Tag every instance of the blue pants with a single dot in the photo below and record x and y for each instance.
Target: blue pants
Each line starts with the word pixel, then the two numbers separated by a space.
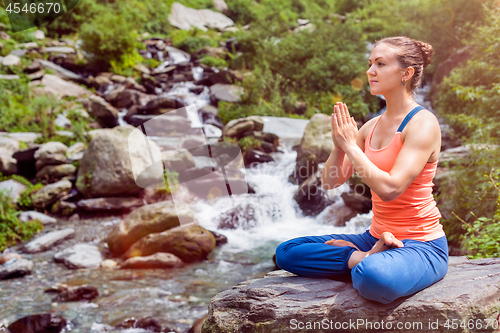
pixel 381 277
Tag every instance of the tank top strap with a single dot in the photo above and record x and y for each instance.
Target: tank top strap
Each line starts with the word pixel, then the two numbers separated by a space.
pixel 408 118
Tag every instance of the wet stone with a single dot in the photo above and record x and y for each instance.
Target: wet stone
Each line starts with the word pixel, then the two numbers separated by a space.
pixel 38 323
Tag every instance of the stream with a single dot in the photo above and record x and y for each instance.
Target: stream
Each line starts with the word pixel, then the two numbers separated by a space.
pixel 178 297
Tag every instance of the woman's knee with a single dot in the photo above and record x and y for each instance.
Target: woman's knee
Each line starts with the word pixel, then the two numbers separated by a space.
pixel 284 257
pixel 371 282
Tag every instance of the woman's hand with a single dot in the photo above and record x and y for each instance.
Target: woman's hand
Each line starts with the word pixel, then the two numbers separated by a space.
pixel 344 127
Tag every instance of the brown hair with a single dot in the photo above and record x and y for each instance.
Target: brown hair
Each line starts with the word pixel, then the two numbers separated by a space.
pixel 411 53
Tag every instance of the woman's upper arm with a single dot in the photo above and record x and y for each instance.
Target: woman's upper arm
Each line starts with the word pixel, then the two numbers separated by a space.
pixel 420 142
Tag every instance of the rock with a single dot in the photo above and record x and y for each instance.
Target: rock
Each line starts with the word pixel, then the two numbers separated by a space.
pixel 12 188
pixel 105 112
pixel 317 137
pixel 109 264
pixel 164 125
pixel 15 268
pixel 11 60
pixel 357 202
pixel 190 243
pixel 54 85
pixel 225 93
pixel 50 193
pixel 178 160
pixel 157 260
pixel 163 103
pixel 56 172
pixel 9 77
pixel 6 257
pixel 77 293
pixel 219 238
pixel 214 52
pixel 143 324
pixel 185 18
pixel 49 148
pixel 146 220
pixel 50 159
pixel 49 240
pixel 78 147
pixel 58 49
pixel 102 81
pixel 274 303
pixel 337 214
pixel 62 72
pixel 129 97
pixel 39 34
pixel 198 324
pixel 254 156
pixel 80 255
pixel 114 160
pixel 63 208
pixel 226 77
pixel 311 196
pixel 237 127
pixel 8 164
pixel 62 121
pixel 221 6
pixel 38 323
pixel 116 204
pixel 305 166
pixel 34 215
pixel 28 137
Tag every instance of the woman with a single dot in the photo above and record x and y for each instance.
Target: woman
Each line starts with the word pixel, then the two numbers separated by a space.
pixel 405 250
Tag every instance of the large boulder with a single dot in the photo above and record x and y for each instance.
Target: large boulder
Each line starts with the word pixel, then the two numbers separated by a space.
pixel 317 137
pixel 283 302
pixel 189 243
pixel 146 220
pixel 113 161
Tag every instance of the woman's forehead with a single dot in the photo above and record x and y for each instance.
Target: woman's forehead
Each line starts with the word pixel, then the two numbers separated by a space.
pixel 383 51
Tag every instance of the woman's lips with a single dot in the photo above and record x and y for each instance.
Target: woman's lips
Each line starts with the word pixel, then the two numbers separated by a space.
pixel 373 81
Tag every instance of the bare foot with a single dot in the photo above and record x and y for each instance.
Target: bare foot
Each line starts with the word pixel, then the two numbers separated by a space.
pixel 385 242
pixel 340 242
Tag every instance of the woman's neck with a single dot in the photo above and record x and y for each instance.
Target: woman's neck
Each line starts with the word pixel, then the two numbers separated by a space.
pixel 398 104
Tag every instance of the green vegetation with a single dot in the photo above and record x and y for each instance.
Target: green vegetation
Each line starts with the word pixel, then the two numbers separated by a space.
pixel 468 100
pixel 296 72
pixel 12 230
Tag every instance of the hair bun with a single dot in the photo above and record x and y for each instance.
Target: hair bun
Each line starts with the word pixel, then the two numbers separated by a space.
pixel 427 52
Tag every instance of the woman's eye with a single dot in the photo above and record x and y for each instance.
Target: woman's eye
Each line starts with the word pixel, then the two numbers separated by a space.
pixel 380 64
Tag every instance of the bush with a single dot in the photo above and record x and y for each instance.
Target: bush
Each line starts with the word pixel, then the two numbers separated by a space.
pixel 12 230
pixel 468 101
pixel 482 238
pixel 112 40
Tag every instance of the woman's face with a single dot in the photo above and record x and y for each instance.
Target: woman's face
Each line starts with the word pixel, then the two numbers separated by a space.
pixel 384 72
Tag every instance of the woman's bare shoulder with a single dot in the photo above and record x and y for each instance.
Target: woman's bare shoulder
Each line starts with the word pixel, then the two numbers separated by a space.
pixel 367 127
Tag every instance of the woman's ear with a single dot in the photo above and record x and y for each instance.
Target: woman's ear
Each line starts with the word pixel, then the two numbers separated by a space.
pixel 409 73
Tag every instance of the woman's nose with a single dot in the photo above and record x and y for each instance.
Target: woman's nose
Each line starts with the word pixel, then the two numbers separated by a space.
pixel 370 71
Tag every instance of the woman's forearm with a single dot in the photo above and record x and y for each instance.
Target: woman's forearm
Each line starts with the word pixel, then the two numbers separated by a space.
pixel 336 171
pixel 378 180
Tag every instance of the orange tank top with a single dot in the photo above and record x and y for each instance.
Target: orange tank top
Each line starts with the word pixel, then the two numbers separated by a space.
pixel 414 214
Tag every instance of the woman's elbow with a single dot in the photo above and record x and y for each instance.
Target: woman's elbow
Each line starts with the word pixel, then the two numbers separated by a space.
pixel 390 195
